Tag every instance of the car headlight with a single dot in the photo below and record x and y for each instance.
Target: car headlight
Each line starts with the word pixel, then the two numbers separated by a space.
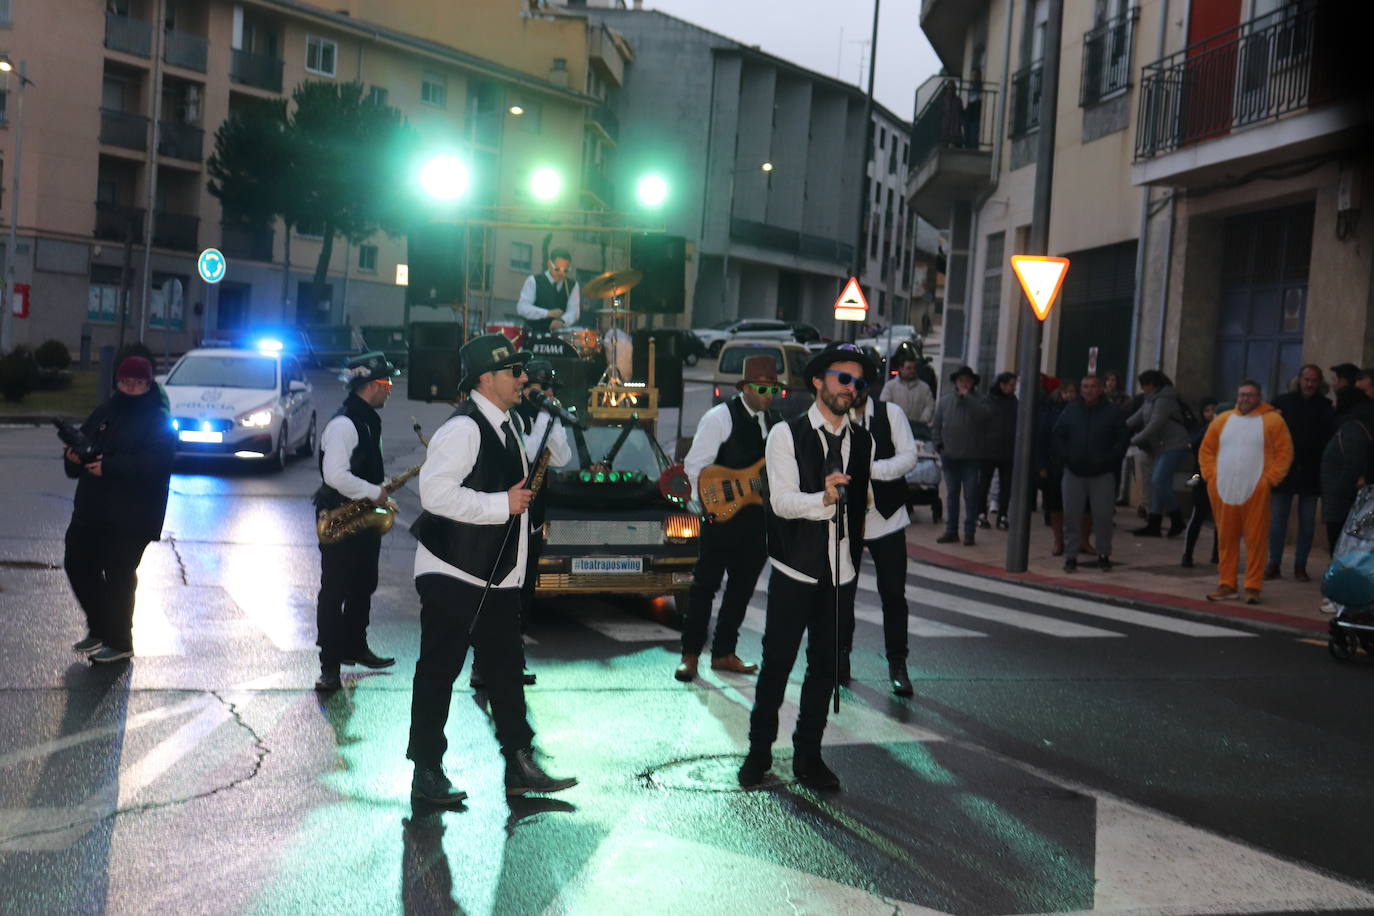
pixel 257 417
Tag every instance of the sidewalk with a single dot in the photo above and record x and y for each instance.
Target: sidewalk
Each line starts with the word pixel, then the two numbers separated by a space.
pixel 1145 572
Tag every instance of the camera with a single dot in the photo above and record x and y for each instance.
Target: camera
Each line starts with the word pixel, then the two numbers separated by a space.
pixel 76 440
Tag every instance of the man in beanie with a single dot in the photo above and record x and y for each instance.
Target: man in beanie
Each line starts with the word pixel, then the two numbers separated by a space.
pixel 470 562
pixel 731 434
pixel 818 472
pixel 351 468
pixel 121 498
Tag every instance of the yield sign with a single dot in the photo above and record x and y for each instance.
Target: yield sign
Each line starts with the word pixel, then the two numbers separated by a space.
pixel 1041 278
pixel 851 306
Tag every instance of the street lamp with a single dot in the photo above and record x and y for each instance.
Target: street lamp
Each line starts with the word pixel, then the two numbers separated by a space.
pixel 7 300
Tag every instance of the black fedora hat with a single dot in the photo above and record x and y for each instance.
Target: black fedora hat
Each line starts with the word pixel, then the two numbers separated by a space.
pixel 487 353
pixel 965 370
pixel 369 367
pixel 840 353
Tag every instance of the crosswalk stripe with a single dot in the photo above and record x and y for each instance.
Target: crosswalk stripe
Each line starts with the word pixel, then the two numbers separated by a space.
pixel 1069 603
pixel 1022 620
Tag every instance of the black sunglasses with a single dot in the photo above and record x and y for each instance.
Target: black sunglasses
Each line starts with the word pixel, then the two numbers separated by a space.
pixel 516 369
pixel 845 379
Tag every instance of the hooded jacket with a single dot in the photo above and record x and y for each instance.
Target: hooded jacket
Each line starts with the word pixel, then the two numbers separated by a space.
pixel 137 446
pixel 1159 422
pixel 1235 466
pixel 1089 441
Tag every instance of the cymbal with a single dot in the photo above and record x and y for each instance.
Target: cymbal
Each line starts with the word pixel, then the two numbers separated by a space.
pixel 612 283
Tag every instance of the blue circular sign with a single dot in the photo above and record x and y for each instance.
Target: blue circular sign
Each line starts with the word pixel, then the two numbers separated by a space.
pixel 211 265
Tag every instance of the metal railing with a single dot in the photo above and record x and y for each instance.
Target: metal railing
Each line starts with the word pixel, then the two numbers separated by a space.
pixel 240 241
pixel 177 231
pixel 1261 69
pixel 606 118
pixel 114 222
pixel 960 115
pixel 132 36
pixel 1026 84
pixel 180 141
pixel 776 238
pixel 119 128
pixel 182 49
pixel 1107 58
pixel 255 70
pixel 595 183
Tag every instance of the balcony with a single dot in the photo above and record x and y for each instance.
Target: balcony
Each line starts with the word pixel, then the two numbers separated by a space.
pixel 116 223
pixel 132 36
pixel 256 70
pixel 605 120
pixel 119 128
pixel 176 231
pixel 599 186
pixel 946 24
pixel 182 49
pixel 180 141
pixel 776 238
pixel 605 55
pixel 1107 59
pixel 1025 99
pixel 1245 99
pixel 951 148
pixel 240 241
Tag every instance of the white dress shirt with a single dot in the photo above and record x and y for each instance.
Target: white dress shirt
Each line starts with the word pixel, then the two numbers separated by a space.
pixel 525 307
pixel 451 456
pixel 560 452
pixel 788 501
pixel 339 439
pixel 713 429
pixel 894 468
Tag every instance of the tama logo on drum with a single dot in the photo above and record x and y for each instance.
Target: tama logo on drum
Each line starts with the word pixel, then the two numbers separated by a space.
pixel 549 349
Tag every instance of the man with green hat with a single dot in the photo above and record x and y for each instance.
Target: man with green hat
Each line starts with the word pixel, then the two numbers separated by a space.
pixel 473 538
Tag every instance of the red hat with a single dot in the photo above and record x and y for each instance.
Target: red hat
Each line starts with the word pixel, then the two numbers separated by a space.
pixel 762 370
pixel 135 368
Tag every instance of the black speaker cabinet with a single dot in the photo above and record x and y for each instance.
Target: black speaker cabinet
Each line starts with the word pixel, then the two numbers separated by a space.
pixel 435 255
pixel 667 367
pixel 663 261
pixel 432 366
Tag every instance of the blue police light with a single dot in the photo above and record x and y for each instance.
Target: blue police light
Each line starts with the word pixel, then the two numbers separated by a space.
pixel 176 424
pixel 205 426
pixel 270 345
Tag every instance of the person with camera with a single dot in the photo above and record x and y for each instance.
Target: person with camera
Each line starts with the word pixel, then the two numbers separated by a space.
pixel 122 462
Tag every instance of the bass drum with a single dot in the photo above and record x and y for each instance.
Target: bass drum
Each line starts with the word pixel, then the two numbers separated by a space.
pixel 585 341
pixel 551 347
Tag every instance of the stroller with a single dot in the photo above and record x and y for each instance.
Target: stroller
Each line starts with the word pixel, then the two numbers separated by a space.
pixel 1349 582
pixel 923 481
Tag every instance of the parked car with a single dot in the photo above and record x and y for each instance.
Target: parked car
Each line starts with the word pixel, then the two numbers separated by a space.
pixel 791 359
pixel 677 340
pixel 236 403
pixel 888 341
pixel 718 334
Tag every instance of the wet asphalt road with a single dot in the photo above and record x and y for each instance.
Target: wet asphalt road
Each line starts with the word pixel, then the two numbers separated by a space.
pixel 1056 758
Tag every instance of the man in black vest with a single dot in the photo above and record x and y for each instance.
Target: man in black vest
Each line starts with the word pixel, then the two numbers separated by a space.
pixel 894 453
pixel 729 434
pixel 818 474
pixel 551 299
pixel 351 465
pixel 474 531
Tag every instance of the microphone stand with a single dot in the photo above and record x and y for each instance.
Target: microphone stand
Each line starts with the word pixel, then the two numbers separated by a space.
pixel 834 581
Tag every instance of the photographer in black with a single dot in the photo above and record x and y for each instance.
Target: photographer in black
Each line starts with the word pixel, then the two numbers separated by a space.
pixel 121 497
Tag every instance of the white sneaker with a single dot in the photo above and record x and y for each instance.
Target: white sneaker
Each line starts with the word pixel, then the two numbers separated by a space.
pixel 1329 606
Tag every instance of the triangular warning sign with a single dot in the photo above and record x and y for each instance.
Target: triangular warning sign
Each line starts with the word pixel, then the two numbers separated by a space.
pixel 1041 278
pixel 851 306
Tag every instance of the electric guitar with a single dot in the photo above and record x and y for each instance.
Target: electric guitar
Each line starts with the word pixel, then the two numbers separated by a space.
pixel 724 491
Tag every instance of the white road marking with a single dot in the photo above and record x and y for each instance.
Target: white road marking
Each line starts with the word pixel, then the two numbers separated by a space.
pixel 1022 620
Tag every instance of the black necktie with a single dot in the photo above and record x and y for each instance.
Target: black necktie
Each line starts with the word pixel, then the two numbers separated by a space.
pixel 513 450
pixel 834 463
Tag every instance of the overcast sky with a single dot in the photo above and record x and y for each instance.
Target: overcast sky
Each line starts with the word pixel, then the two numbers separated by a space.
pixel 828 36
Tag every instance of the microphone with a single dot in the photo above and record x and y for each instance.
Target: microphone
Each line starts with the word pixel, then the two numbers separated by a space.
pixel 837 467
pixel 545 403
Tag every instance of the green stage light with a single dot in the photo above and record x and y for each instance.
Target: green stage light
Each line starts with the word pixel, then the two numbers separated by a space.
pixel 546 184
pixel 586 476
pixel 653 190
pixel 600 476
pixel 445 178
pixel 615 477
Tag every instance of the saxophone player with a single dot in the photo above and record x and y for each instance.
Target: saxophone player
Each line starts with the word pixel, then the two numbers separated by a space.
pixel 351 465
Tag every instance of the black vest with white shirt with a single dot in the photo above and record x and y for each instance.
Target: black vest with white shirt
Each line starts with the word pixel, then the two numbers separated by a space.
pixel 549 297
pixel 744 445
pixel 366 461
pixel 888 495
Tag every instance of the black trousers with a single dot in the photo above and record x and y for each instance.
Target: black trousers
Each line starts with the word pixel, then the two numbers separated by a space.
pixel 1002 469
pixel 736 552
pixel 534 551
pixel 348 577
pixel 102 566
pixel 1202 512
pixel 795 608
pixel 889 567
pixel 447 608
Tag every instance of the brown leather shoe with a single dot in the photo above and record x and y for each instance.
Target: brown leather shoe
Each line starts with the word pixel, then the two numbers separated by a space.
pixel 1223 593
pixel 686 671
pixel 733 662
pixel 1252 596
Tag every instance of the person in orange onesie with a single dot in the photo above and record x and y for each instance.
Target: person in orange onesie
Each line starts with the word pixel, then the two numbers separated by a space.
pixel 1245 453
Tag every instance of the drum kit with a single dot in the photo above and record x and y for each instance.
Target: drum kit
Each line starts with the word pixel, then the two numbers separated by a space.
pixel 586 342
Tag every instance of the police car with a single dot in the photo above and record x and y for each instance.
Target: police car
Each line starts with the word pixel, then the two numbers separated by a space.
pixel 253 404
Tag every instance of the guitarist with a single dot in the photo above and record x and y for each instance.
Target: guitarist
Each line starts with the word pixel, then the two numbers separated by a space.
pixel 730 434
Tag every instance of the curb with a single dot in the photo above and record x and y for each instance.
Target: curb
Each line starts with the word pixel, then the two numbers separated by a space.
pixel 1129 597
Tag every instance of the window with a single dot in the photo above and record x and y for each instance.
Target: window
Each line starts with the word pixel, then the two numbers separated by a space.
pixel 102 303
pixel 161 312
pixel 992 305
pixel 434 89
pixel 521 257
pixel 4 12
pixel 377 96
pixel 320 55
pixel 367 258
pixel 4 103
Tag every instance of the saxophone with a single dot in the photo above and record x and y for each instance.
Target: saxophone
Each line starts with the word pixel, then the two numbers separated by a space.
pixel 359 515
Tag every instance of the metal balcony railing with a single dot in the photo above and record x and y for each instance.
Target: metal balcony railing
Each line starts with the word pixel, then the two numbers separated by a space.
pixel 180 141
pixel 119 128
pixel 239 241
pixel 1025 99
pixel 1259 70
pixel 1107 58
pixel 601 186
pixel 256 70
pixel 959 116
pixel 606 119
pixel 132 36
pixel 116 222
pixel 177 231
pixel 182 49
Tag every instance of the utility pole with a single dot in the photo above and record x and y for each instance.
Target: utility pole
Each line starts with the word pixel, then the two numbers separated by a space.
pixel 1028 361
pixel 865 156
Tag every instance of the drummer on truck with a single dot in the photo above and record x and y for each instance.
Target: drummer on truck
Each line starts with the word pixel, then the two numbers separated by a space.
pixel 552 299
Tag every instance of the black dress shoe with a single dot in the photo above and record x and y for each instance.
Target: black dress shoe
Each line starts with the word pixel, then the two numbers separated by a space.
pixel 328 681
pixel 524 775
pixel 368 659
pixel 431 785
pixel 529 677
pixel 812 772
pixel 901 681
pixel 754 769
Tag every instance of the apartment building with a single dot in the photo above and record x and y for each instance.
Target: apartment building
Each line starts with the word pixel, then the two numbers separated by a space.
pixel 1205 187
pixel 121 114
